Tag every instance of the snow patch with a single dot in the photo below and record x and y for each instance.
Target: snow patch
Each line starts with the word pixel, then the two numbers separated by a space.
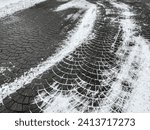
pixel 57 103
pixel 81 4
pixel 8 7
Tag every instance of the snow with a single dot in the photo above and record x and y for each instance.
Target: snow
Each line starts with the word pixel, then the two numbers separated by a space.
pixel 55 103
pixel 3 69
pixel 74 16
pixel 8 7
pixel 82 4
pixel 75 38
pixel 4 3
pixel 139 99
pixel 128 27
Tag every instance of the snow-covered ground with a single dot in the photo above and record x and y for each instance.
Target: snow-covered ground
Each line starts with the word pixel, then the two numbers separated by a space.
pixel 139 98
pixel 134 71
pixel 4 3
pixel 10 6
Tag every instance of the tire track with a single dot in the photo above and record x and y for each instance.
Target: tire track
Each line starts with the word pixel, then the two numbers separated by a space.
pixel 122 97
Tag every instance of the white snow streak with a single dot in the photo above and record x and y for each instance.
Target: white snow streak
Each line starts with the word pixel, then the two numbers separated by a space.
pixel 82 4
pixel 8 7
pixel 78 36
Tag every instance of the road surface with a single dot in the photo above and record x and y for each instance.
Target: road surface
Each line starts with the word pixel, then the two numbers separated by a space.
pixel 62 56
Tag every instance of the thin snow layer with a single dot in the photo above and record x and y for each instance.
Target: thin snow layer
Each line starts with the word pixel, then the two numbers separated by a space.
pixel 128 26
pixel 140 97
pixel 60 104
pixel 4 3
pixel 82 4
pixel 121 6
pixel 8 7
pixel 138 100
pixel 56 102
pixel 77 37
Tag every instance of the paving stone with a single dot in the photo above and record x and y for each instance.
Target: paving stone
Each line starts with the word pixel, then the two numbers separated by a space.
pixel 87 73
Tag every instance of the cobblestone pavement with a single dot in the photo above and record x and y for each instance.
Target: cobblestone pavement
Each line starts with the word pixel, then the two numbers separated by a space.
pixel 83 80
